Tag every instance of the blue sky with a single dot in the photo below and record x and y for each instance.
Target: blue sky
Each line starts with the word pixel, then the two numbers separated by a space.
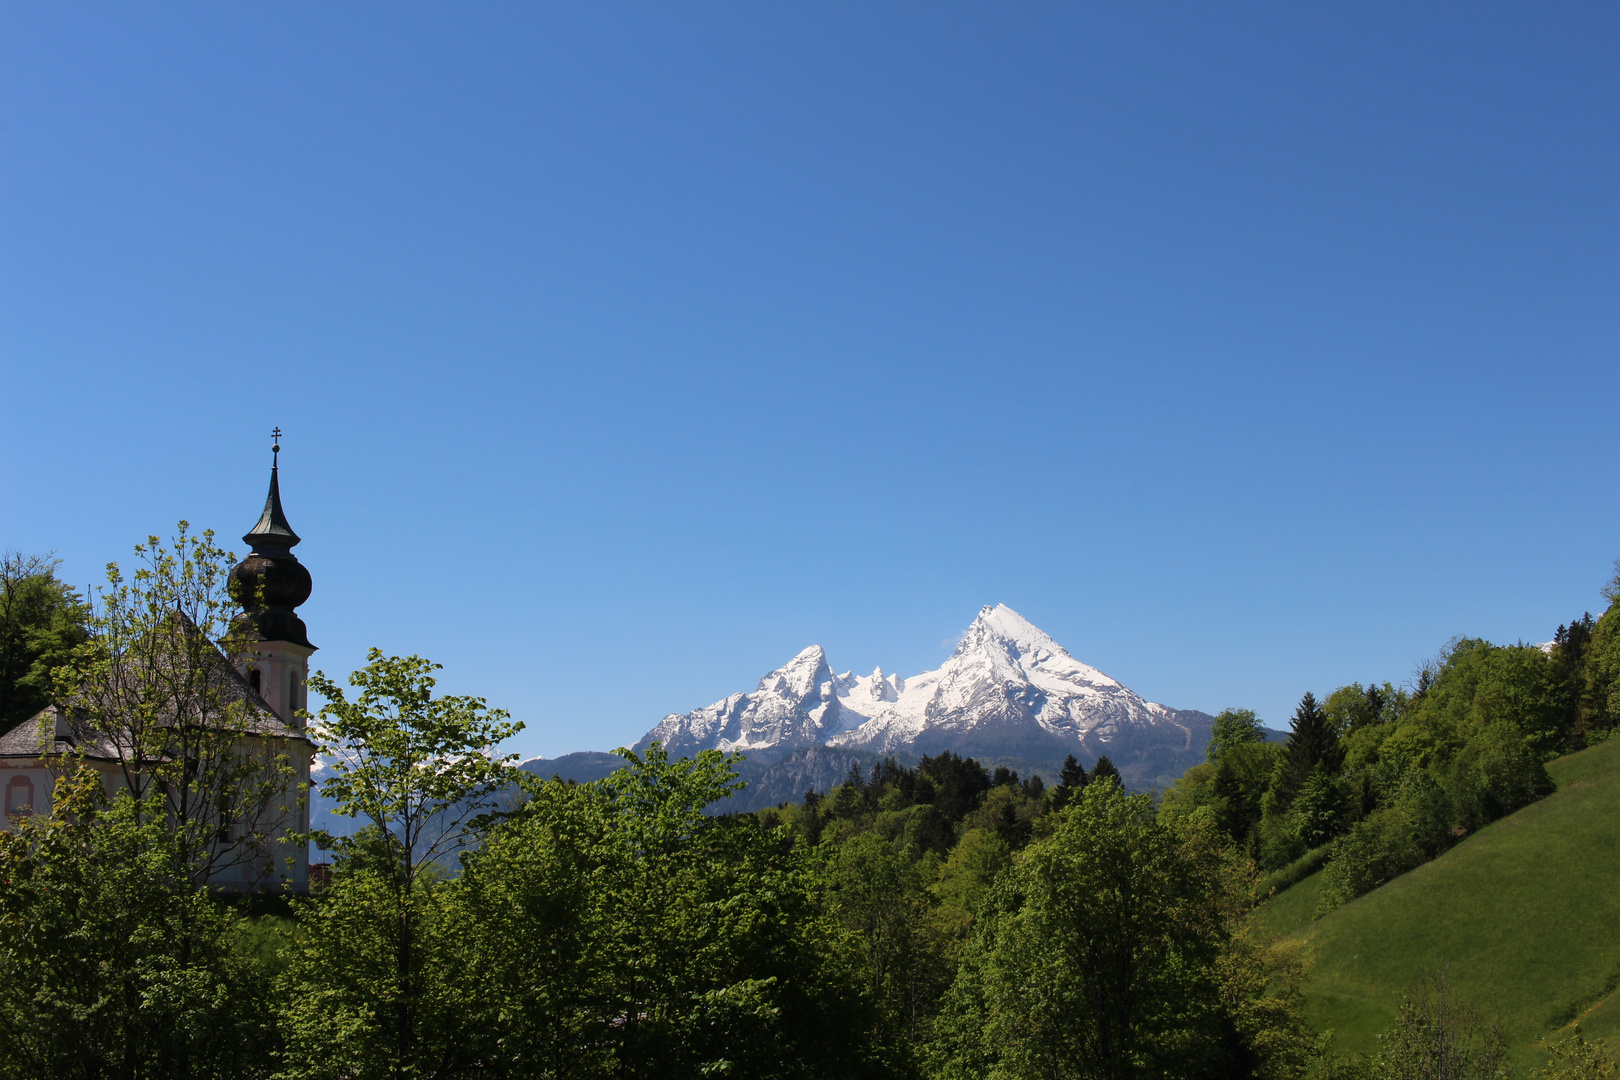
pixel 625 350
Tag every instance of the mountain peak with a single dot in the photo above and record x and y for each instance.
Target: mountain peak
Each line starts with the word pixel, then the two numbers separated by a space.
pixel 1007 691
pixel 1000 624
pixel 801 675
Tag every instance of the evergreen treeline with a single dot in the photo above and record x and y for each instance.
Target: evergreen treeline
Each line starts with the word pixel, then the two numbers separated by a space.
pixel 1376 780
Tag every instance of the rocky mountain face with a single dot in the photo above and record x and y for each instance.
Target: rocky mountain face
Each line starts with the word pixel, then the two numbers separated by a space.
pixel 795 705
pixel 1007 694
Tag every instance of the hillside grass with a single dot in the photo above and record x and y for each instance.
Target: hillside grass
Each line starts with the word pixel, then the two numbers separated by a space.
pixel 1524 914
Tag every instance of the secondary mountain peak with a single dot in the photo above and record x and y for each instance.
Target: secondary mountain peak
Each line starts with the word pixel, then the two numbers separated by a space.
pixel 800 676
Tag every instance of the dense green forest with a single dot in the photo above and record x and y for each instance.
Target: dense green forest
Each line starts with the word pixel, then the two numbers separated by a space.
pixel 941 920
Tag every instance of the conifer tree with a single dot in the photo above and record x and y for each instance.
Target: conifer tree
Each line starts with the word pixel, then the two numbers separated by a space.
pixel 1071 780
pixel 1105 770
pixel 1311 742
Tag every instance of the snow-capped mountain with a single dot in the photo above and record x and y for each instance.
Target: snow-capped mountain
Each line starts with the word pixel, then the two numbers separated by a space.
pixel 1008 691
pixel 795 705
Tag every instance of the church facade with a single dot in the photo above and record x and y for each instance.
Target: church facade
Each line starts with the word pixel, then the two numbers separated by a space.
pixel 267 685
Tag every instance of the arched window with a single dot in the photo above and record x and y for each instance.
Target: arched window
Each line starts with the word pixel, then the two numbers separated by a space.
pixel 292 692
pixel 255 680
pixel 19 796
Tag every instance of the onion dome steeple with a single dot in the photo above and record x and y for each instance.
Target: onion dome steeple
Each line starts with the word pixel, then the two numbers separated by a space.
pixel 271 582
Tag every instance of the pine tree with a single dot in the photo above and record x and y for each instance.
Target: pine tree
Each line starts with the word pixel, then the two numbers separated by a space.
pixel 1104 770
pixel 1071 779
pixel 1311 742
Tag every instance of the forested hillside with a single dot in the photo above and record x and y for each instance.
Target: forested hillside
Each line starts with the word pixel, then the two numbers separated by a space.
pixel 1377 779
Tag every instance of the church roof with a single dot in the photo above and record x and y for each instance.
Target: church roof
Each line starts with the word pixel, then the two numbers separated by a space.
pixel 59 729
pixel 272 533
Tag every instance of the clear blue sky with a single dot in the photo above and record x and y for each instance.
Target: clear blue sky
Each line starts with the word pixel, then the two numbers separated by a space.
pixel 625 350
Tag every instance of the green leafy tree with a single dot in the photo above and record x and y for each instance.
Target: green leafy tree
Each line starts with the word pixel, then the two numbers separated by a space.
pixel 1240 782
pixel 156 688
pixel 114 963
pixel 1100 954
pixel 965 881
pixel 1477 684
pixel 420 771
pixel 879 896
pixel 1577 1058
pixel 1600 693
pixel 1319 810
pixel 1353 707
pixel 42 620
pixel 616 929
pixel 1233 727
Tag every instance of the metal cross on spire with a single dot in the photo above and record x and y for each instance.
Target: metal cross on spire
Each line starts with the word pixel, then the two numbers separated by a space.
pixel 275 447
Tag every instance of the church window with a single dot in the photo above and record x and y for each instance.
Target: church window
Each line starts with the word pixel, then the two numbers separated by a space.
pixel 19 796
pixel 255 680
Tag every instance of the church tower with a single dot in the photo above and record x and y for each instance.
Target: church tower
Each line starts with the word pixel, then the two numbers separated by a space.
pixel 269 584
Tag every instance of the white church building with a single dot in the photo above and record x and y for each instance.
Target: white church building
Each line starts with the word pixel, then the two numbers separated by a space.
pixel 270 583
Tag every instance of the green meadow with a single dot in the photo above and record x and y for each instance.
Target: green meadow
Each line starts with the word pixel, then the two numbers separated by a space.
pixel 1524 915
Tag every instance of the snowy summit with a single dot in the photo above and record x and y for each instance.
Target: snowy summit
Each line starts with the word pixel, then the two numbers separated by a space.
pixel 1008 691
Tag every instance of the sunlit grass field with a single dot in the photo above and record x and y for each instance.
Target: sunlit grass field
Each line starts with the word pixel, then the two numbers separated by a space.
pixel 1525 915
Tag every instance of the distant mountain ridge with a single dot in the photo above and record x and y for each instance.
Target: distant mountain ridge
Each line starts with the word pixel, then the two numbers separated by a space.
pixel 1007 694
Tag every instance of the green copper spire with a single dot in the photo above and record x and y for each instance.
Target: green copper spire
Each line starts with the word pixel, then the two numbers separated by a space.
pixel 271 582
pixel 272 533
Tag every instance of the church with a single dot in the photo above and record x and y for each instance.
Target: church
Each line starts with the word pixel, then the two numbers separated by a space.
pixel 267 684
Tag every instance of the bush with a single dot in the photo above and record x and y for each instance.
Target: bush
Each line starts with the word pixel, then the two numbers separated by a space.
pixel 1294 873
pixel 1496 773
pixel 1378 848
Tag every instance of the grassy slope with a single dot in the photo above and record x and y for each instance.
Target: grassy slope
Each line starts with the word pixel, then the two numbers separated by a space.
pixel 1525 914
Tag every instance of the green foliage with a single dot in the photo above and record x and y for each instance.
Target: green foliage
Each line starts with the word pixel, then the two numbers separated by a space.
pixel 1494 774
pixel 42 621
pixel 966 879
pixel 155 688
pixel 1312 746
pixel 1379 848
pixel 1233 727
pixel 879 896
pixel 419 770
pixel 1104 769
pixel 1287 877
pixel 1318 812
pixel 114 964
pixel 1100 954
pixel 1437 1035
pixel 1072 780
pixel 1598 667
pixel 1240 782
pixel 1574 1058
pixel 614 929
pixel 416 767
pixel 1351 708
